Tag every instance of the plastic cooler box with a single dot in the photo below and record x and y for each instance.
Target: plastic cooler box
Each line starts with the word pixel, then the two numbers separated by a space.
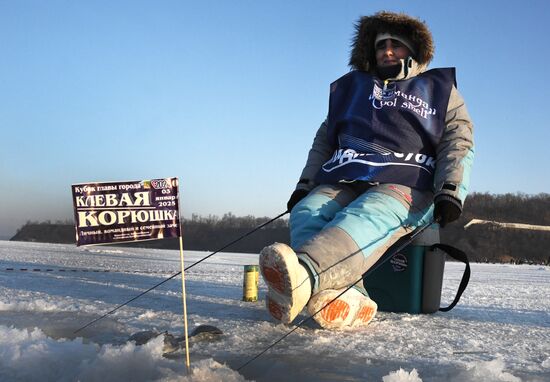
pixel 411 280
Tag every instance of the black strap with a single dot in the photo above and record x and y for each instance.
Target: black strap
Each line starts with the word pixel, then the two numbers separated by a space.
pixel 456 254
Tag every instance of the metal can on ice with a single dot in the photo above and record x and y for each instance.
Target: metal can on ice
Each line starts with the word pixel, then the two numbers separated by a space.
pixel 250 283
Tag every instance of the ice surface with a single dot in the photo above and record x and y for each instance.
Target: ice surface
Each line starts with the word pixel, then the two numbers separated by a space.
pixel 500 331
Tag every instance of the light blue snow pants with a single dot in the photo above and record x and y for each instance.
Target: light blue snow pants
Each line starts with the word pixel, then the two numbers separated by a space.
pixel 340 231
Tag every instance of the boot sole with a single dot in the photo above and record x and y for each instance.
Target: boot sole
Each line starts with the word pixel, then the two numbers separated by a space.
pixel 275 271
pixel 340 313
pixel 277 262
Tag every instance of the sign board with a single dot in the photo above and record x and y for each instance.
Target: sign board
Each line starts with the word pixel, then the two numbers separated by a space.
pixel 116 212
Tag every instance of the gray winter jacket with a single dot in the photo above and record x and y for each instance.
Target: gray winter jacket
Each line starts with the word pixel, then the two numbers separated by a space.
pixel 456 148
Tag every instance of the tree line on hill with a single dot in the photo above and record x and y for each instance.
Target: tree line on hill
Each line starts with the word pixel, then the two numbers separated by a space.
pixel 482 243
pixel 491 243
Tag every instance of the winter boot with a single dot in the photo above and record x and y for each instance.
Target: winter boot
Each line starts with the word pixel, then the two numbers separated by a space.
pixel 288 282
pixel 351 309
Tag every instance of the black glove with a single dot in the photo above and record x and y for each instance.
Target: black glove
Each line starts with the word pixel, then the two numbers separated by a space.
pixel 296 196
pixel 447 209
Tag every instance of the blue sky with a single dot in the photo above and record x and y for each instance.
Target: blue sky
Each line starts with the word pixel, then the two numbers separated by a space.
pixel 227 95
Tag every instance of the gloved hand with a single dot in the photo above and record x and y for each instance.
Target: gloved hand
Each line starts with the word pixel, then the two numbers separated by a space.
pixel 447 209
pixel 296 196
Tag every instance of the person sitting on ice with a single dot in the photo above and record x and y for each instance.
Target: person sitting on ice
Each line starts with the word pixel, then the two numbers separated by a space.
pixel 394 153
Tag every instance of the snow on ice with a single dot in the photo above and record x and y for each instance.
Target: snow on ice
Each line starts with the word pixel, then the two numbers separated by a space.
pixel 500 331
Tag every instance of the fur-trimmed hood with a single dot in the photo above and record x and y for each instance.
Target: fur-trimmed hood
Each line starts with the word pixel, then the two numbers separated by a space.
pixel 363 52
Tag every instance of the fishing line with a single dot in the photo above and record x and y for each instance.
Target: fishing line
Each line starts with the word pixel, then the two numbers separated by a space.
pixel 382 260
pixel 185 269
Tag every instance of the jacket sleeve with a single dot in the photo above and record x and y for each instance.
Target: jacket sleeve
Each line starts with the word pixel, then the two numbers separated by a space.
pixel 320 152
pixel 455 152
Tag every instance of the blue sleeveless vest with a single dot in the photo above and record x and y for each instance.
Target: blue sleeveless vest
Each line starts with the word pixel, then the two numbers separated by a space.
pixel 386 132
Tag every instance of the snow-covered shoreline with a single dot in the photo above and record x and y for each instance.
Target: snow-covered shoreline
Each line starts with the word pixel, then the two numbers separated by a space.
pixel 500 331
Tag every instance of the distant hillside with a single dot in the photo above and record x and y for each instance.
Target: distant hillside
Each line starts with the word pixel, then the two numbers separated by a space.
pixel 200 234
pixel 495 244
pixel 482 243
pixel 46 232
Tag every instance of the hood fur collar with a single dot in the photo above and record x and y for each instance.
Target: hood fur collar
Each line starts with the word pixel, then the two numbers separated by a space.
pixel 366 29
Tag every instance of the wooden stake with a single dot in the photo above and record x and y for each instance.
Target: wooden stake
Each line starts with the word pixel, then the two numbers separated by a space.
pixel 187 363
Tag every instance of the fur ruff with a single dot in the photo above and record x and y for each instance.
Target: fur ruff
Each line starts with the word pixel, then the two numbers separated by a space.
pixel 363 52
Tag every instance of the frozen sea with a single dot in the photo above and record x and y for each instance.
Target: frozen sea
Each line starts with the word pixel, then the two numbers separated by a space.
pixel 500 331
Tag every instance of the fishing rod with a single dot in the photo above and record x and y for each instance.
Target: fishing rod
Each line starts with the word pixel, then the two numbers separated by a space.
pixel 382 260
pixel 178 273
